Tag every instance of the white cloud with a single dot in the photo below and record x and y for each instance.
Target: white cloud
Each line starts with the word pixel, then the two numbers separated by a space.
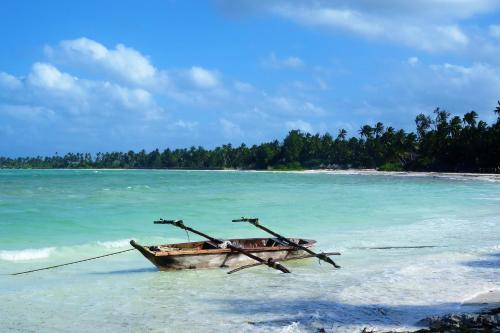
pixel 273 61
pixel 428 25
pixel 83 89
pixel 243 87
pixel 294 106
pixel 467 79
pixel 27 112
pixel 46 76
pixel 412 61
pixel 293 62
pixel 441 9
pixel 422 35
pixel 122 61
pixel 494 30
pixel 300 125
pixel 203 78
pixel 313 109
pixel 46 87
pixel 416 89
pixel 230 130
pixel 438 9
pixel 189 125
pixel 8 81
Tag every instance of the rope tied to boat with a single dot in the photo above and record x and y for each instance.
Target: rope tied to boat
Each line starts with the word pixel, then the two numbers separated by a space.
pixel 71 263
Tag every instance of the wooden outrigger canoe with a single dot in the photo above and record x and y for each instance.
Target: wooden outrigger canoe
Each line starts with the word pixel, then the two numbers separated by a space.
pixel 207 254
pixel 216 253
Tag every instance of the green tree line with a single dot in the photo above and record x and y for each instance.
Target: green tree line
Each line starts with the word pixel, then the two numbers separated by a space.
pixel 440 143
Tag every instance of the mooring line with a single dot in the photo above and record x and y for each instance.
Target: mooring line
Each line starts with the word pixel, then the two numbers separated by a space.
pixel 395 247
pixel 71 263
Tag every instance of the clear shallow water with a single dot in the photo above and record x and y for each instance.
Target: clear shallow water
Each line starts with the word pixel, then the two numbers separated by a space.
pixel 54 216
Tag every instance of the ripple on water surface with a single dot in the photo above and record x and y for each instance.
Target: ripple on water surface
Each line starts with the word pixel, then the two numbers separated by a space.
pixel 49 217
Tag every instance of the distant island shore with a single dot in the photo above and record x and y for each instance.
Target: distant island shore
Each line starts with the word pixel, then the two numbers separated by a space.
pixel 441 144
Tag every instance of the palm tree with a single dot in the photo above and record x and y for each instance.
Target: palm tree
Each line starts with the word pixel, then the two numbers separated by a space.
pixel 379 129
pixel 481 125
pixel 342 134
pixel 470 118
pixel 423 123
pixel 455 127
pixel 441 118
pixel 497 112
pixel 366 131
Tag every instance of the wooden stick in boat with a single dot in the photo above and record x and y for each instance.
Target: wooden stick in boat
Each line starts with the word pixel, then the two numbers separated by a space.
pixel 270 262
pixel 296 258
pixel 321 256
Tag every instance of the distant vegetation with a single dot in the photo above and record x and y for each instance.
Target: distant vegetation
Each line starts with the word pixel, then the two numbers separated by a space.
pixel 440 143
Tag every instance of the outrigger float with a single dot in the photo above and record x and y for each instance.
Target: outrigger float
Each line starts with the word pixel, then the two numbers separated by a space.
pixel 232 253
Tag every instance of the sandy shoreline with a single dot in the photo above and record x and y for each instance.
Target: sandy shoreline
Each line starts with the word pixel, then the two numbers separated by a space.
pixel 490 177
pixel 373 172
pixel 490 298
pixel 370 172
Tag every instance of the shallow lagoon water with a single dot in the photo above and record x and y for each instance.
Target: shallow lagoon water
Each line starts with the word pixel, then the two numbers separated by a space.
pixel 54 216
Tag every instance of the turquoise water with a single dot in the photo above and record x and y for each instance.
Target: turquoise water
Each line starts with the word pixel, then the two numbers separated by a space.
pixel 54 216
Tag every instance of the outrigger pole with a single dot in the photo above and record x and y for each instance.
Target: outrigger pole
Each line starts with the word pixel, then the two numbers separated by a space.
pixel 270 262
pixel 295 258
pixel 321 256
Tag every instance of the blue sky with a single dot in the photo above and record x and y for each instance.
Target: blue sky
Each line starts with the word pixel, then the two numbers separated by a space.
pixel 95 76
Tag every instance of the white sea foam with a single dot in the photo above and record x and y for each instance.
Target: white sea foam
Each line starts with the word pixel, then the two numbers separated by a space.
pixel 26 254
pixel 115 243
pixel 64 251
pixel 491 199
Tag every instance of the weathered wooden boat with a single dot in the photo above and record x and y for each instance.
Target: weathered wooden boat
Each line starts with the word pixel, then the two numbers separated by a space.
pixel 209 254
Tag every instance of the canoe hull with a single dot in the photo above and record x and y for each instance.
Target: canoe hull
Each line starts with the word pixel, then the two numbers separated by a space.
pixel 217 258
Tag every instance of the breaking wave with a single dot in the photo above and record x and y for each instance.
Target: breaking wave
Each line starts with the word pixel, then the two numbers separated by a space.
pixel 115 244
pixel 63 251
pixel 27 254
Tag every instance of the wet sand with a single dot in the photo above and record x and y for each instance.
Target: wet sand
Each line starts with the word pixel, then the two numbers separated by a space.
pixel 487 299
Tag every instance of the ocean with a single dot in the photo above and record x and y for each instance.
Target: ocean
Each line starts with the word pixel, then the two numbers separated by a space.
pixel 48 217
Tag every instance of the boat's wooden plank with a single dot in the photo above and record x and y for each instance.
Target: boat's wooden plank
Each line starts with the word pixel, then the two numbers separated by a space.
pixel 220 251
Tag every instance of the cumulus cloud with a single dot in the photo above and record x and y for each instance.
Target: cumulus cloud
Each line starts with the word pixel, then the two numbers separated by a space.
pixel 8 81
pixel 116 99
pixel 494 30
pixel 300 125
pixel 48 77
pixel 412 61
pixel 272 61
pixel 230 129
pixel 46 86
pixel 120 61
pixel 244 87
pixel 27 112
pixel 189 125
pixel 429 37
pixel 421 24
pixel 294 106
pixel 203 78
pixel 410 90
pixel 477 81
